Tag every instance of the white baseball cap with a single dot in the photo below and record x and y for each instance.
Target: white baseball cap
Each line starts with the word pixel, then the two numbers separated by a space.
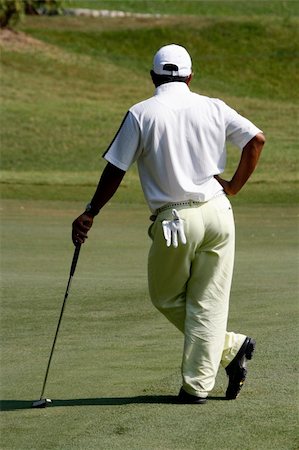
pixel 172 60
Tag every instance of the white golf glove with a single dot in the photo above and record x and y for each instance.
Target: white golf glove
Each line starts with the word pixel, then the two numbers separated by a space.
pixel 173 230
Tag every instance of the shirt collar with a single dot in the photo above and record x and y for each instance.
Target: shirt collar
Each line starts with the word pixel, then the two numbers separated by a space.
pixel 174 86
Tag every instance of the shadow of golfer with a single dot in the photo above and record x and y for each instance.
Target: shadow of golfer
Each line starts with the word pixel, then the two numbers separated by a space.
pixel 11 405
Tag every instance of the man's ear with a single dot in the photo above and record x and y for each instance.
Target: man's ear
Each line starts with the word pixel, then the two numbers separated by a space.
pixel 154 78
pixel 189 79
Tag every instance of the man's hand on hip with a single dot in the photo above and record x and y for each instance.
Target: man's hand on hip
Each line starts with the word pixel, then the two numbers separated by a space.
pixel 247 164
pixel 81 226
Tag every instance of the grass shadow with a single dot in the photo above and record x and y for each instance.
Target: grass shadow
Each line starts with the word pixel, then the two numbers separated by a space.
pixel 12 405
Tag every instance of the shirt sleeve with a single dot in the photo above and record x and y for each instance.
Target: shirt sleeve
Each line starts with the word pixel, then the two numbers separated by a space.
pixel 126 145
pixel 239 130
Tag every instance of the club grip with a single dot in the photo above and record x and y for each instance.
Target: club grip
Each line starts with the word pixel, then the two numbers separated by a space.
pixel 75 259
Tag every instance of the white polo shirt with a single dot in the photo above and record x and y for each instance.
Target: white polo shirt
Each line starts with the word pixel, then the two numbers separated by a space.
pixel 178 139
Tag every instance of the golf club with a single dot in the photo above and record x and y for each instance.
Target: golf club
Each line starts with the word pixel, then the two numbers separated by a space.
pixel 43 402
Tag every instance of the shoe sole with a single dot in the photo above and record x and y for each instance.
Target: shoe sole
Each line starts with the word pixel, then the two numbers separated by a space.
pixel 234 387
pixel 250 349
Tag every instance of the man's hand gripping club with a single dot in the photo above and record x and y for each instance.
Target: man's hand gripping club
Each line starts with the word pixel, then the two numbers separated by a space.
pixel 80 228
pixel 107 186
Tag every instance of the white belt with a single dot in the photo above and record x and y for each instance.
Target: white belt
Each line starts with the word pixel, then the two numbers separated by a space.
pixel 188 203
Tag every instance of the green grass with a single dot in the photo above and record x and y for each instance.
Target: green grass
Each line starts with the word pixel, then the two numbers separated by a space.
pixel 193 7
pixel 60 111
pixel 116 365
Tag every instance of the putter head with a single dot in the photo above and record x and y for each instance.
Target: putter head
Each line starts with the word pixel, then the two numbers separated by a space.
pixel 42 403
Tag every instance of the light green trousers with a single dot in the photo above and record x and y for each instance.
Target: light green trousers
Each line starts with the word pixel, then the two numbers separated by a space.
pixel 191 286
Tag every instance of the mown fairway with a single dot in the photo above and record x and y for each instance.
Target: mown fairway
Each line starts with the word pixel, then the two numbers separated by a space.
pixel 115 370
pixel 65 85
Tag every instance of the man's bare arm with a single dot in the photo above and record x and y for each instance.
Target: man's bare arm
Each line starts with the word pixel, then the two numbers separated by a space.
pixel 107 186
pixel 248 162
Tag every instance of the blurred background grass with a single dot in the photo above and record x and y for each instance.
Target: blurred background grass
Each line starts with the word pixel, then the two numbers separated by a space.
pixel 68 81
pixel 191 7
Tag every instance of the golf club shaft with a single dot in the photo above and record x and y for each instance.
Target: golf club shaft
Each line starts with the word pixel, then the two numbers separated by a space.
pixel 72 271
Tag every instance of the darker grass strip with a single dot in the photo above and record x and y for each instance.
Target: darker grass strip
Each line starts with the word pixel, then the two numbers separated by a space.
pixel 12 405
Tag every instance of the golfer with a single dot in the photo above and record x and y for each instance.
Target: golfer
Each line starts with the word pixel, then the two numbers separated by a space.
pixel 178 139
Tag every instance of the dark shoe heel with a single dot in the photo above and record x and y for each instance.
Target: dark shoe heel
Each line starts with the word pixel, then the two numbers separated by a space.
pixel 250 349
pixel 237 369
pixel 185 398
